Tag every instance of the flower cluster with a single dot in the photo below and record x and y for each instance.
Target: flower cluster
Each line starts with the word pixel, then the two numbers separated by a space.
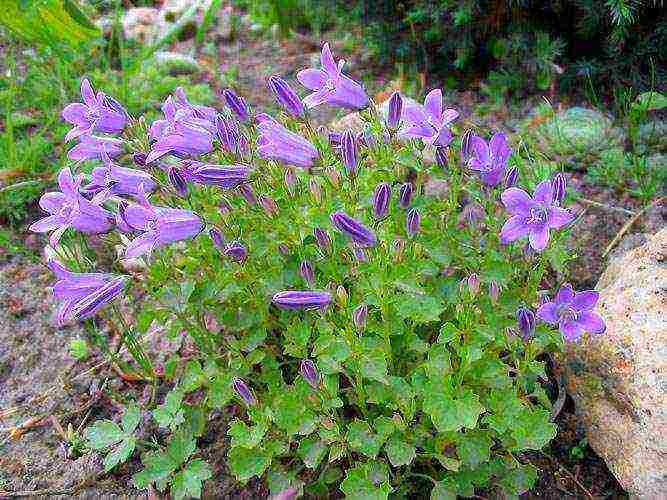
pixel 362 300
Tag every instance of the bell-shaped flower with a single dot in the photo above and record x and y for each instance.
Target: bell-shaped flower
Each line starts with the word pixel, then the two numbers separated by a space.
pixel 112 179
pixel 533 217
pixel 490 159
pixel 301 299
pixel 275 142
pixel 573 312
pixel 97 113
pixel 330 85
pixel 68 208
pixel 359 233
pixel 91 147
pixel 81 295
pixel 204 112
pixel 224 176
pixel 286 96
pixel 160 226
pixel 429 122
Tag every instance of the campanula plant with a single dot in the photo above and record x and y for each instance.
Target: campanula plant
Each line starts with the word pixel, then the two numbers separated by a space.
pixel 373 323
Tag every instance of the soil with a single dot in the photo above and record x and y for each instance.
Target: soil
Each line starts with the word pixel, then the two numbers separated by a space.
pixel 44 389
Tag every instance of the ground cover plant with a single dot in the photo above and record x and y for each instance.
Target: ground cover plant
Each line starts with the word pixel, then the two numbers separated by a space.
pixel 381 319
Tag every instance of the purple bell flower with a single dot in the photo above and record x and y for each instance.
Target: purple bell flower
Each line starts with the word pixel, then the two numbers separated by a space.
pixel 68 208
pixel 533 217
pixel 217 238
pixel 98 113
pixel 286 97
pixel 322 238
pixel 91 147
pixel 429 122
pixel 227 133
pixel 360 316
pixel 308 371
pixel 224 176
pixel 248 194
pixel 160 226
pixel 405 195
pixel 114 180
pixel 525 319
pixel 203 112
pixel 494 291
pixel 293 299
pixel 560 187
pixel 237 104
pixel 331 86
pixel 413 222
pixel 511 177
pixel 490 160
pixel 467 151
pixel 83 294
pixel 573 312
pixel 177 179
pixel 236 251
pixel 395 111
pixel 275 142
pixel 441 157
pixel 381 198
pixel 307 273
pixel 244 392
pixel 356 230
pixel 473 283
pixel 349 150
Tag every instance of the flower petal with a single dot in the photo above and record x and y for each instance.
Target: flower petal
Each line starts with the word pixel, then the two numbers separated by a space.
pixel 433 104
pixel 75 114
pixel 559 217
pixel 52 202
pixel 592 322
pixel 141 245
pixel 316 98
pixel 544 193
pixel 414 114
pixel 517 201
pixel 565 295
pixel 47 224
pixel 548 313
pixel 585 301
pixel 327 60
pixel 571 330
pixel 539 237
pixel 67 183
pixel 514 228
pixel 87 93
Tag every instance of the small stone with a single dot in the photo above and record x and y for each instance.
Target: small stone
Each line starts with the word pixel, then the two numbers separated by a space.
pixel 140 24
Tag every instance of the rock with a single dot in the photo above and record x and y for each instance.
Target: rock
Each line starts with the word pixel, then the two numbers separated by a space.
pixel 619 380
pixel 175 63
pixel 140 24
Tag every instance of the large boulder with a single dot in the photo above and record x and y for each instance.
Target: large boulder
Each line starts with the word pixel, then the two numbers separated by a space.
pixel 619 380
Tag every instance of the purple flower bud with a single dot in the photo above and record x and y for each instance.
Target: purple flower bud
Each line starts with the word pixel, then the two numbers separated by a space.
pixel 248 193
pixel 322 238
pixel 217 238
pixel 236 251
pixel 227 133
pixel 244 392
pixel 412 222
pixel 335 139
pixel 467 146
pixel 349 148
pixel 559 183
pixel 359 254
pixel 237 104
pixel 139 159
pixel 224 176
pixel 441 157
pixel 473 283
pixel 290 180
pixel 225 207
pixel 308 371
pixel 286 97
pixel 307 273
pixel 268 205
pixel 243 148
pixel 511 177
pixel 526 321
pixel 300 299
pixel 359 316
pixel 177 180
pixel 494 291
pixel 405 196
pixel 397 246
pixel 333 176
pixel 381 198
pixel 315 190
pixel 353 228
pixel 395 111
pixel 283 249
pixel 473 213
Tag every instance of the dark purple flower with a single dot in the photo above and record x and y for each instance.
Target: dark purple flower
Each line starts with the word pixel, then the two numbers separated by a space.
pixel 560 186
pixel 98 113
pixel 359 254
pixel 405 195
pixel 69 209
pixel 224 176
pixel 395 111
pixel 244 392
pixel 330 85
pixel 494 291
pixel 322 238
pixel 490 160
pixel 413 222
pixel 381 198
pixel 286 97
pixel 335 139
pixel 177 179
pixel 237 104
pixel 227 133
pixel 525 319
pixel 573 312
pixel 236 251
pixel 349 150
pixel 473 283
pixel 353 228
pixel 511 177
pixel 160 226
pixel 248 194
pixel 429 122
pixel 217 238
pixel 83 294
pixel 268 204
pixel 91 147
pixel 359 316
pixel 308 371
pixel 467 149
pixel 441 157
pixel 139 159
pixel 532 217
pixel 294 299
pixel 307 273
pixel 275 142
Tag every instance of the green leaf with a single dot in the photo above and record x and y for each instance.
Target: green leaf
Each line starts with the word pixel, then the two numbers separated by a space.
pixel 443 491
pixel 447 333
pixel 289 412
pixel 384 426
pixel 248 437
pixel 400 453
pixel 367 481
pixel 246 463
pixel 103 434
pixel 312 451
pixel 532 429
pixel 181 446
pixel 170 413
pixel 157 467
pixel 452 414
pixel 193 376
pixel 220 390
pixel 131 418
pixel 651 101
pixel 439 362
pixel 474 448
pixel 119 453
pixel 423 309
pixel 360 438
pixel 188 482
pixel 78 348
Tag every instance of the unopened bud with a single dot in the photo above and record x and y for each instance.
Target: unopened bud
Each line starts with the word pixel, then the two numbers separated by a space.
pixel 413 223
pixel 308 371
pixel 244 392
pixel 268 205
pixel 315 190
pixel 225 207
pixel 494 291
pixel 473 283
pixel 307 273
pixel 236 251
pixel 441 157
pixel 559 184
pixel 342 295
pixel 322 238
pixel 395 111
pixel 178 181
pixel 526 321
pixel 511 177
pixel 217 238
pixel 290 180
pixel 333 176
pixel 248 193
pixel 359 316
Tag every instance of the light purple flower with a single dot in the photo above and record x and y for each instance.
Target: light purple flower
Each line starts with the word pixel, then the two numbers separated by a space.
pixel 275 142
pixel 349 150
pixel 83 294
pixel 112 179
pixel 381 198
pixel 356 230
pixel 490 159
pixel 236 251
pixel 98 113
pixel 224 176
pixel 204 112
pixel 429 122
pixel 91 147
pixel 286 96
pixel 237 104
pixel 413 222
pixel 532 217
pixel 308 371
pixel 160 226
pixel 69 209
pixel 573 313
pixel 330 85
pixel 296 299
pixel 244 392
pixel 360 316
